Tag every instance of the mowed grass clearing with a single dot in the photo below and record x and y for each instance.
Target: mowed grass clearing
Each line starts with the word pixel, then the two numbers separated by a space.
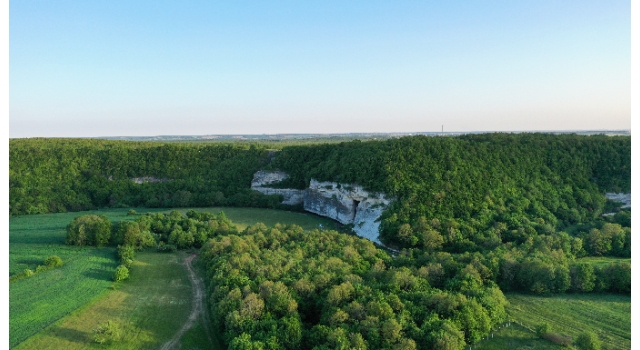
pixel 243 217
pixel 602 261
pixel 515 337
pixel 608 315
pixel 149 307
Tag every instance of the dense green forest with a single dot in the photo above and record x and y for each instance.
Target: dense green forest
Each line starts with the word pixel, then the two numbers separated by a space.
pixel 58 175
pixel 474 190
pixel 283 287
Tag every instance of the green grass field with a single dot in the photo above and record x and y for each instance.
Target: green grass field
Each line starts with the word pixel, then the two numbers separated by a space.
pixel 39 301
pixel 149 307
pixel 602 261
pixel 608 315
pixel 515 337
pixel 244 217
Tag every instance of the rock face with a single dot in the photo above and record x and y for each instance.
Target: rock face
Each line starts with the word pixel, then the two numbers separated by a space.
pixel 347 204
pixel 290 196
pixel 624 198
pixel 145 179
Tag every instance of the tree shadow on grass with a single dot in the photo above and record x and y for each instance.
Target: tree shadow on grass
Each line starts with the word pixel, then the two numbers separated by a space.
pixel 72 335
pixel 99 274
pixel 30 262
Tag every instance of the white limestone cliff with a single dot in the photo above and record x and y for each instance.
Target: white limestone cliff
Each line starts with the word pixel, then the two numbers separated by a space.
pixel 262 178
pixel 345 203
pixel 624 198
pixel 348 204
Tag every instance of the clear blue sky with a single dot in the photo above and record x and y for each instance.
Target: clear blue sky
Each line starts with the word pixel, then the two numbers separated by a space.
pixel 106 68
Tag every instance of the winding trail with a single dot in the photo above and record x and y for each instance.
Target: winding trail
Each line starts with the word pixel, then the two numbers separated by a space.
pixel 197 309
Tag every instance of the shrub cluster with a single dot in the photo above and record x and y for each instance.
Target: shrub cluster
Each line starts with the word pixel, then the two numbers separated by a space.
pixel 50 263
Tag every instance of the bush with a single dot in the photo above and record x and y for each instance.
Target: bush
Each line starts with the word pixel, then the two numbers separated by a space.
pixel 53 261
pixel 28 273
pixel 126 252
pixel 122 273
pixel 106 333
pixel 89 230
pixel 132 212
pixel 588 341
pixel 542 329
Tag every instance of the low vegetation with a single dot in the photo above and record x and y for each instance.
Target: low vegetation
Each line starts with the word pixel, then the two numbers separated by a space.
pixel 606 315
pixel 142 312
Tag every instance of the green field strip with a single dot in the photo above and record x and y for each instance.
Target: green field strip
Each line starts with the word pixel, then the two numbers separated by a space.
pixel 515 337
pixel 149 308
pixel 608 315
pixel 39 301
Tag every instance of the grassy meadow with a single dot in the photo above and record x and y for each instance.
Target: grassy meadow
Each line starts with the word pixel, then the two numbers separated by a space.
pixel 148 308
pixel 40 301
pixel 608 315
pixel 602 261
pixel 515 337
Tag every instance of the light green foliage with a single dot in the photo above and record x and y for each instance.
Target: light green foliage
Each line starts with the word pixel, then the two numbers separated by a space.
pixel 542 329
pixel 53 261
pixel 121 273
pixel 106 333
pixel 588 341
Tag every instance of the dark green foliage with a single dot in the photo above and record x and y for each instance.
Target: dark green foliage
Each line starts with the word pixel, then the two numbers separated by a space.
pixel 582 277
pixel 58 175
pixel 483 190
pixel 135 234
pixel 87 230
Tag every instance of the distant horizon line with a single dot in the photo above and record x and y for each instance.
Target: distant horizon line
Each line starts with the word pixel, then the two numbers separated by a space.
pixel 408 133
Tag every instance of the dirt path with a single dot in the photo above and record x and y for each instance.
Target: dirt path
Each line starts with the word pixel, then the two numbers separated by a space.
pixel 197 309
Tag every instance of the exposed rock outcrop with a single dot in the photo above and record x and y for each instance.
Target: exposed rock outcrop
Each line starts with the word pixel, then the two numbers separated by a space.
pixel 145 179
pixel 262 178
pixel 347 204
pixel 624 198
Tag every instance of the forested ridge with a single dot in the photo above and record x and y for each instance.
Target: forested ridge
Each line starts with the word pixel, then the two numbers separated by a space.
pixel 461 186
pixel 58 175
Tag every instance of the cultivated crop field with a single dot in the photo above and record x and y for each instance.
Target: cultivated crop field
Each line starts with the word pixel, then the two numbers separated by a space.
pixel 608 315
pixel 39 301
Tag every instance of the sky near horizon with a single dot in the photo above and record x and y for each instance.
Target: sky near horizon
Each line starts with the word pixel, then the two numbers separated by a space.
pixel 144 68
